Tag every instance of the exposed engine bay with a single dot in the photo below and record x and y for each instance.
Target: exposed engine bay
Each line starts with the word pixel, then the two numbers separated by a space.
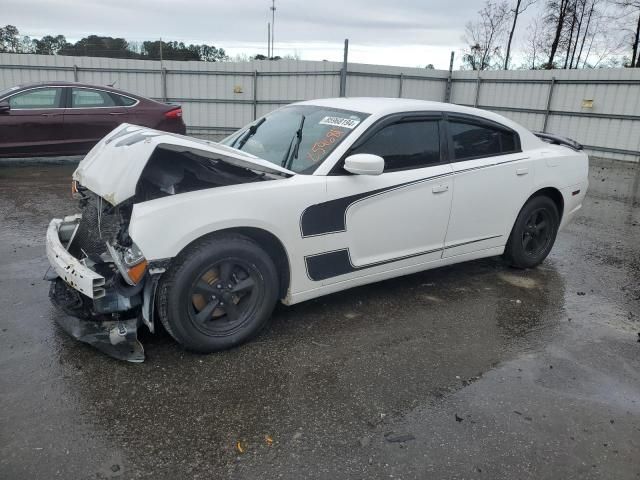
pixel 107 313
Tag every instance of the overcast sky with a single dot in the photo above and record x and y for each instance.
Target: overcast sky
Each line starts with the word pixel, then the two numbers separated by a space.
pixel 398 32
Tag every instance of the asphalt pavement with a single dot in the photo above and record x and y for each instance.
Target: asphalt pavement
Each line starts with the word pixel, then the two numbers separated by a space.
pixel 471 371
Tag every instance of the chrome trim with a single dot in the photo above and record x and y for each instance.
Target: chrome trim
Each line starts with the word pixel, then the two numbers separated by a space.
pixel 29 89
pixel 69 108
pixel 106 91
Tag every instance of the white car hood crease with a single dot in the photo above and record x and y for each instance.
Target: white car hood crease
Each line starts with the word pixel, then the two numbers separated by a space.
pixel 112 168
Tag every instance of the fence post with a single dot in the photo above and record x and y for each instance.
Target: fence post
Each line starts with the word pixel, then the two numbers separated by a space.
pixel 75 73
pixel 478 82
pixel 255 94
pixel 548 109
pixel 447 92
pixel 400 86
pixel 163 79
pixel 343 71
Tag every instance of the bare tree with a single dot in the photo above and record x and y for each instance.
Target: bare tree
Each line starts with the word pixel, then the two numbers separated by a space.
pixel 535 45
pixel 557 11
pixel 572 14
pixel 483 36
pixel 520 7
pixel 587 36
pixel 631 10
pixel 579 13
pixel 601 39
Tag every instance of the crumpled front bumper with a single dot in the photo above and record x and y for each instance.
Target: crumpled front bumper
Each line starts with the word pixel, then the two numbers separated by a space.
pixel 75 274
pixel 116 338
pixel 82 294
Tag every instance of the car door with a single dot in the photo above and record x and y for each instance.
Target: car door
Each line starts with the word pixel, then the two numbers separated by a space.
pixel 33 124
pixel 92 113
pixel 377 223
pixel 492 178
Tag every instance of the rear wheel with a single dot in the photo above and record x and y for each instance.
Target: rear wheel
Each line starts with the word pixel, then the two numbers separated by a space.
pixel 218 294
pixel 534 233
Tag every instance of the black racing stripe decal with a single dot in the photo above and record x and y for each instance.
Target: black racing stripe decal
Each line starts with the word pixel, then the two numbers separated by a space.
pixel 328 265
pixel 454 245
pixel 338 262
pixel 323 266
pixel 330 217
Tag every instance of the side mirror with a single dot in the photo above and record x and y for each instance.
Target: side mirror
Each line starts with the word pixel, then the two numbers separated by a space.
pixel 364 164
pixel 4 106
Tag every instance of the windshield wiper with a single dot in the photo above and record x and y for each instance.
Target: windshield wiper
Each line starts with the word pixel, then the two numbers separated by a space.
pixel 242 139
pixel 292 153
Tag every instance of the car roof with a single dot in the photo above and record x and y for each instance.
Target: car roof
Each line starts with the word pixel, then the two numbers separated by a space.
pixel 380 106
pixel 64 83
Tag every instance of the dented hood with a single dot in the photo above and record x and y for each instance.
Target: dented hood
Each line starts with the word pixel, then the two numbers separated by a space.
pixel 112 168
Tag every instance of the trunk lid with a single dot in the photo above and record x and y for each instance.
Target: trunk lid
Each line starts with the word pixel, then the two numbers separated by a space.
pixel 113 167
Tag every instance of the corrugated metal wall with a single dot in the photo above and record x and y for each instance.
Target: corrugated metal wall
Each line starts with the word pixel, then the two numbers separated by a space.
pixel 598 108
pixel 218 98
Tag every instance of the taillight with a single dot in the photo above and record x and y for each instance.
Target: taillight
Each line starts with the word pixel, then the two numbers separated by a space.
pixel 175 113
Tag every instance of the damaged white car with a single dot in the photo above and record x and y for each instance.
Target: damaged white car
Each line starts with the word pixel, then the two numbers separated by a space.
pixel 313 198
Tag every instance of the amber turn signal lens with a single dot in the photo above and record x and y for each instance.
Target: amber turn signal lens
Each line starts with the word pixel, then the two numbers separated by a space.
pixel 137 271
pixel 74 190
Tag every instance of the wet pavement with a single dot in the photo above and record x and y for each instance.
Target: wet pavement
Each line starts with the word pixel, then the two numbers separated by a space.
pixel 470 371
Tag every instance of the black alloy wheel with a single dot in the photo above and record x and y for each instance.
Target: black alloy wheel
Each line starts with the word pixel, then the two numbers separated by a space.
pixel 218 293
pixel 533 233
pixel 224 296
pixel 537 232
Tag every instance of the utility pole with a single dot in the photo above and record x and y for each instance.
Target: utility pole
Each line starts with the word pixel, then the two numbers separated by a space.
pixel 160 52
pixel 273 27
pixel 343 70
pixel 268 40
pixel 447 93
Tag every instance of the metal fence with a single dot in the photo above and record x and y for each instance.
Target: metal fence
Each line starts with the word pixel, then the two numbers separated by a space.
pixel 598 108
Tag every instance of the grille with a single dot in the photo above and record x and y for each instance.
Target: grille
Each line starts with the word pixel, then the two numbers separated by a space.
pixel 94 230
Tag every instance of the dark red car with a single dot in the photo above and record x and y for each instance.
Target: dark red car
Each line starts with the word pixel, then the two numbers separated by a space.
pixel 65 118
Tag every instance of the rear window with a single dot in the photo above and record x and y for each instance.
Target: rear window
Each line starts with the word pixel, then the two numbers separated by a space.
pixel 471 140
pixel 122 100
pixel 86 98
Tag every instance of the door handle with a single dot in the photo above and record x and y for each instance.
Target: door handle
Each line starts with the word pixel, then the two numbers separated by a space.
pixel 522 171
pixel 116 113
pixel 440 188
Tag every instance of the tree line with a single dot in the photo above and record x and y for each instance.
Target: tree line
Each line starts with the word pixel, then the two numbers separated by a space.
pixel 97 46
pixel 565 34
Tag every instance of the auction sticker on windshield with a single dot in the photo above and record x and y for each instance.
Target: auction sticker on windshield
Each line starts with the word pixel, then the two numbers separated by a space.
pixel 340 122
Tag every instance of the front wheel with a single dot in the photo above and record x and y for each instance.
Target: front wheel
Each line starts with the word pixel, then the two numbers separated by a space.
pixel 218 294
pixel 534 233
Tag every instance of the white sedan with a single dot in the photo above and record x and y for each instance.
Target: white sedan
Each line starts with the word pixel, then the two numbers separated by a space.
pixel 313 198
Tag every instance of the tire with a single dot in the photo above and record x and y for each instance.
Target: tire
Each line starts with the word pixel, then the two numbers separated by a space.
pixel 218 294
pixel 533 233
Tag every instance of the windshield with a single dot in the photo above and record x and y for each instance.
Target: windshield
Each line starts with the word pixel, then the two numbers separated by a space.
pixel 299 137
pixel 6 92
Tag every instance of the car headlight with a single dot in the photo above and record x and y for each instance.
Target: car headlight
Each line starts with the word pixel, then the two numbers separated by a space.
pixel 130 262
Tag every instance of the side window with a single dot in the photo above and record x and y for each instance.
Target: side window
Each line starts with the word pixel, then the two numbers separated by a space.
pixel 407 144
pixel 85 98
pixel 471 140
pixel 121 100
pixel 38 98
